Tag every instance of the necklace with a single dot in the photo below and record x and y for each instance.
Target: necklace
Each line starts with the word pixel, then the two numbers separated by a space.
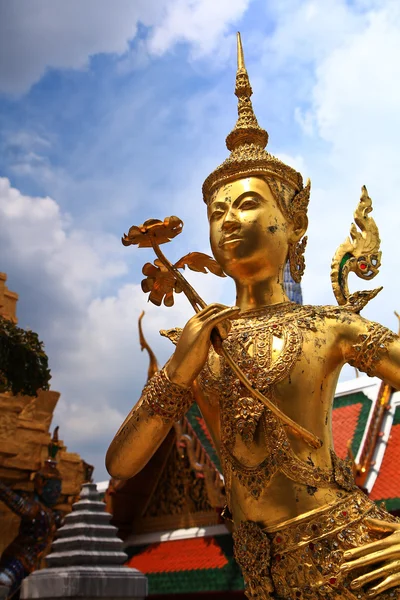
pixel 251 343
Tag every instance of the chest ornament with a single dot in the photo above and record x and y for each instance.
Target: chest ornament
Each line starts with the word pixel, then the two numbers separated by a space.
pixel 252 349
pixel 251 343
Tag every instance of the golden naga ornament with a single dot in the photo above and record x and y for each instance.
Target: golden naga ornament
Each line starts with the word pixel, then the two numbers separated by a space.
pixel 264 372
pixel 359 254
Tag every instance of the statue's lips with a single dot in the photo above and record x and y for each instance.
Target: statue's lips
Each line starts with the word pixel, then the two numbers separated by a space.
pixel 229 240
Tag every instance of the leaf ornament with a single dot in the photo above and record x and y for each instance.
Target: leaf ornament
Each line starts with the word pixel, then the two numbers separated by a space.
pixel 153 230
pixel 197 261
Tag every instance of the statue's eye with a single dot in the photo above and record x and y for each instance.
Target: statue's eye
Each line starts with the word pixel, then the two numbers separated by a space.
pixel 216 214
pixel 249 204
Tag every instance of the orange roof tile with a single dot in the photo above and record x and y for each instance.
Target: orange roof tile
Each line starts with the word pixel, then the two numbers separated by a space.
pixel 344 423
pixel 387 484
pixel 180 555
pixel 204 427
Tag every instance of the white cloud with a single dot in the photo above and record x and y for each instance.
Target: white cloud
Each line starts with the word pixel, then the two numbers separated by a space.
pixel 308 31
pixel 296 162
pixel 45 34
pixel 91 336
pixel 202 23
pixel 54 33
pixel 342 62
pixel 36 231
pixel 357 90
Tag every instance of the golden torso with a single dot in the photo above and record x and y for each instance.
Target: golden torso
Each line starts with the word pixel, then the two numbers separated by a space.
pixel 292 354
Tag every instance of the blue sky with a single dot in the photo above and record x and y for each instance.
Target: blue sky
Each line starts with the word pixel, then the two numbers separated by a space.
pixel 112 113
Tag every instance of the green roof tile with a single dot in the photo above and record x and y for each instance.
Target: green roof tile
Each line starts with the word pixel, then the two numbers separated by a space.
pixel 396 418
pixel 194 416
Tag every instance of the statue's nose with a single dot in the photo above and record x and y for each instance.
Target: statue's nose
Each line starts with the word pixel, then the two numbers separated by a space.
pixel 230 224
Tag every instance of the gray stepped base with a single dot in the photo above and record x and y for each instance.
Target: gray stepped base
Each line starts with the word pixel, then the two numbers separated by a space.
pixel 77 557
pixel 89 504
pixel 86 559
pixel 86 583
pixel 85 516
pixel 85 542
pixel 88 529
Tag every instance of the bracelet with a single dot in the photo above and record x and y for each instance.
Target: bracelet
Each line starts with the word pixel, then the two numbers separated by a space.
pixel 370 348
pixel 166 399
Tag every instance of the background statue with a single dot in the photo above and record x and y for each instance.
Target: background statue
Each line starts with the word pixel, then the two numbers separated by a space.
pixel 39 521
pixel 264 373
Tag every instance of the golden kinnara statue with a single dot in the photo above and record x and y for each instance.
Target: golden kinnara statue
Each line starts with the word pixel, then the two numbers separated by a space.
pixel 264 373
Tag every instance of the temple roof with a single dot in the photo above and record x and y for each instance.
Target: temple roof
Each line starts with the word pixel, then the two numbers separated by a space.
pixel 186 566
pixel 387 484
pixel 196 420
pixel 349 419
pixel 374 437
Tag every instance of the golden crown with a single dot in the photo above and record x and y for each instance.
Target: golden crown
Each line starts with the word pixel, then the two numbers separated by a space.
pixel 248 157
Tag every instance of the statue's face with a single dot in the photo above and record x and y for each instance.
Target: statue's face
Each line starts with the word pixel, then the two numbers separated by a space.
pixel 248 232
pixel 48 490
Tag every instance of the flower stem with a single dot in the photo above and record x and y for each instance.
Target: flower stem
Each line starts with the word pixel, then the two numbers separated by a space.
pixel 190 293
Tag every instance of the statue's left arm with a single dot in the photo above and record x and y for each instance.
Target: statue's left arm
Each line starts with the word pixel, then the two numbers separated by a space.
pixel 371 347
pixel 375 350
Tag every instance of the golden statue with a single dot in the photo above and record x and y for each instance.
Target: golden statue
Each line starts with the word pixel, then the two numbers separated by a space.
pixel 264 374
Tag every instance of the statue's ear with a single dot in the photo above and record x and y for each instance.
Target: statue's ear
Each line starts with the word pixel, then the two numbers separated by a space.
pixel 299 226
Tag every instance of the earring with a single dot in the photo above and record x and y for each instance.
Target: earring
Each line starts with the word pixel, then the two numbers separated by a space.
pixel 296 259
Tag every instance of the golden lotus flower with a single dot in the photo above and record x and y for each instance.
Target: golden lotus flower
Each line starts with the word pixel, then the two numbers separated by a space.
pixel 160 231
pixel 160 282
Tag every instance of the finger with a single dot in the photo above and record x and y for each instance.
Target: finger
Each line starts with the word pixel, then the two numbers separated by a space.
pixel 390 582
pixel 214 319
pixel 212 306
pixel 369 559
pixel 376 546
pixel 219 317
pixel 376 574
pixel 207 310
pixel 214 309
pixel 382 526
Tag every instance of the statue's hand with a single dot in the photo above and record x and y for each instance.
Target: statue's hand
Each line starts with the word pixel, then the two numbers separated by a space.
pixel 386 551
pixel 194 343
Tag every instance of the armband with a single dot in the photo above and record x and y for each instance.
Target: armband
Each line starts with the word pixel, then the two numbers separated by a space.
pixel 370 348
pixel 168 400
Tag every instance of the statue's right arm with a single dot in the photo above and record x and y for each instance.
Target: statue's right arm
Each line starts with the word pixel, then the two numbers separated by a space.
pixel 150 420
pixel 136 441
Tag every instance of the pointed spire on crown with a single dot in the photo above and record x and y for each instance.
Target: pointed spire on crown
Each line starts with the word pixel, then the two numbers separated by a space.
pixel 246 143
pixel 247 129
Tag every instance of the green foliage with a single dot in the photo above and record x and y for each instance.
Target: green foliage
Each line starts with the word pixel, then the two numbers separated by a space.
pixel 23 361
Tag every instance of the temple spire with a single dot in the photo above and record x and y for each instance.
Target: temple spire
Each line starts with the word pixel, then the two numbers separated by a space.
pixel 247 129
pixel 246 143
pixel 240 55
